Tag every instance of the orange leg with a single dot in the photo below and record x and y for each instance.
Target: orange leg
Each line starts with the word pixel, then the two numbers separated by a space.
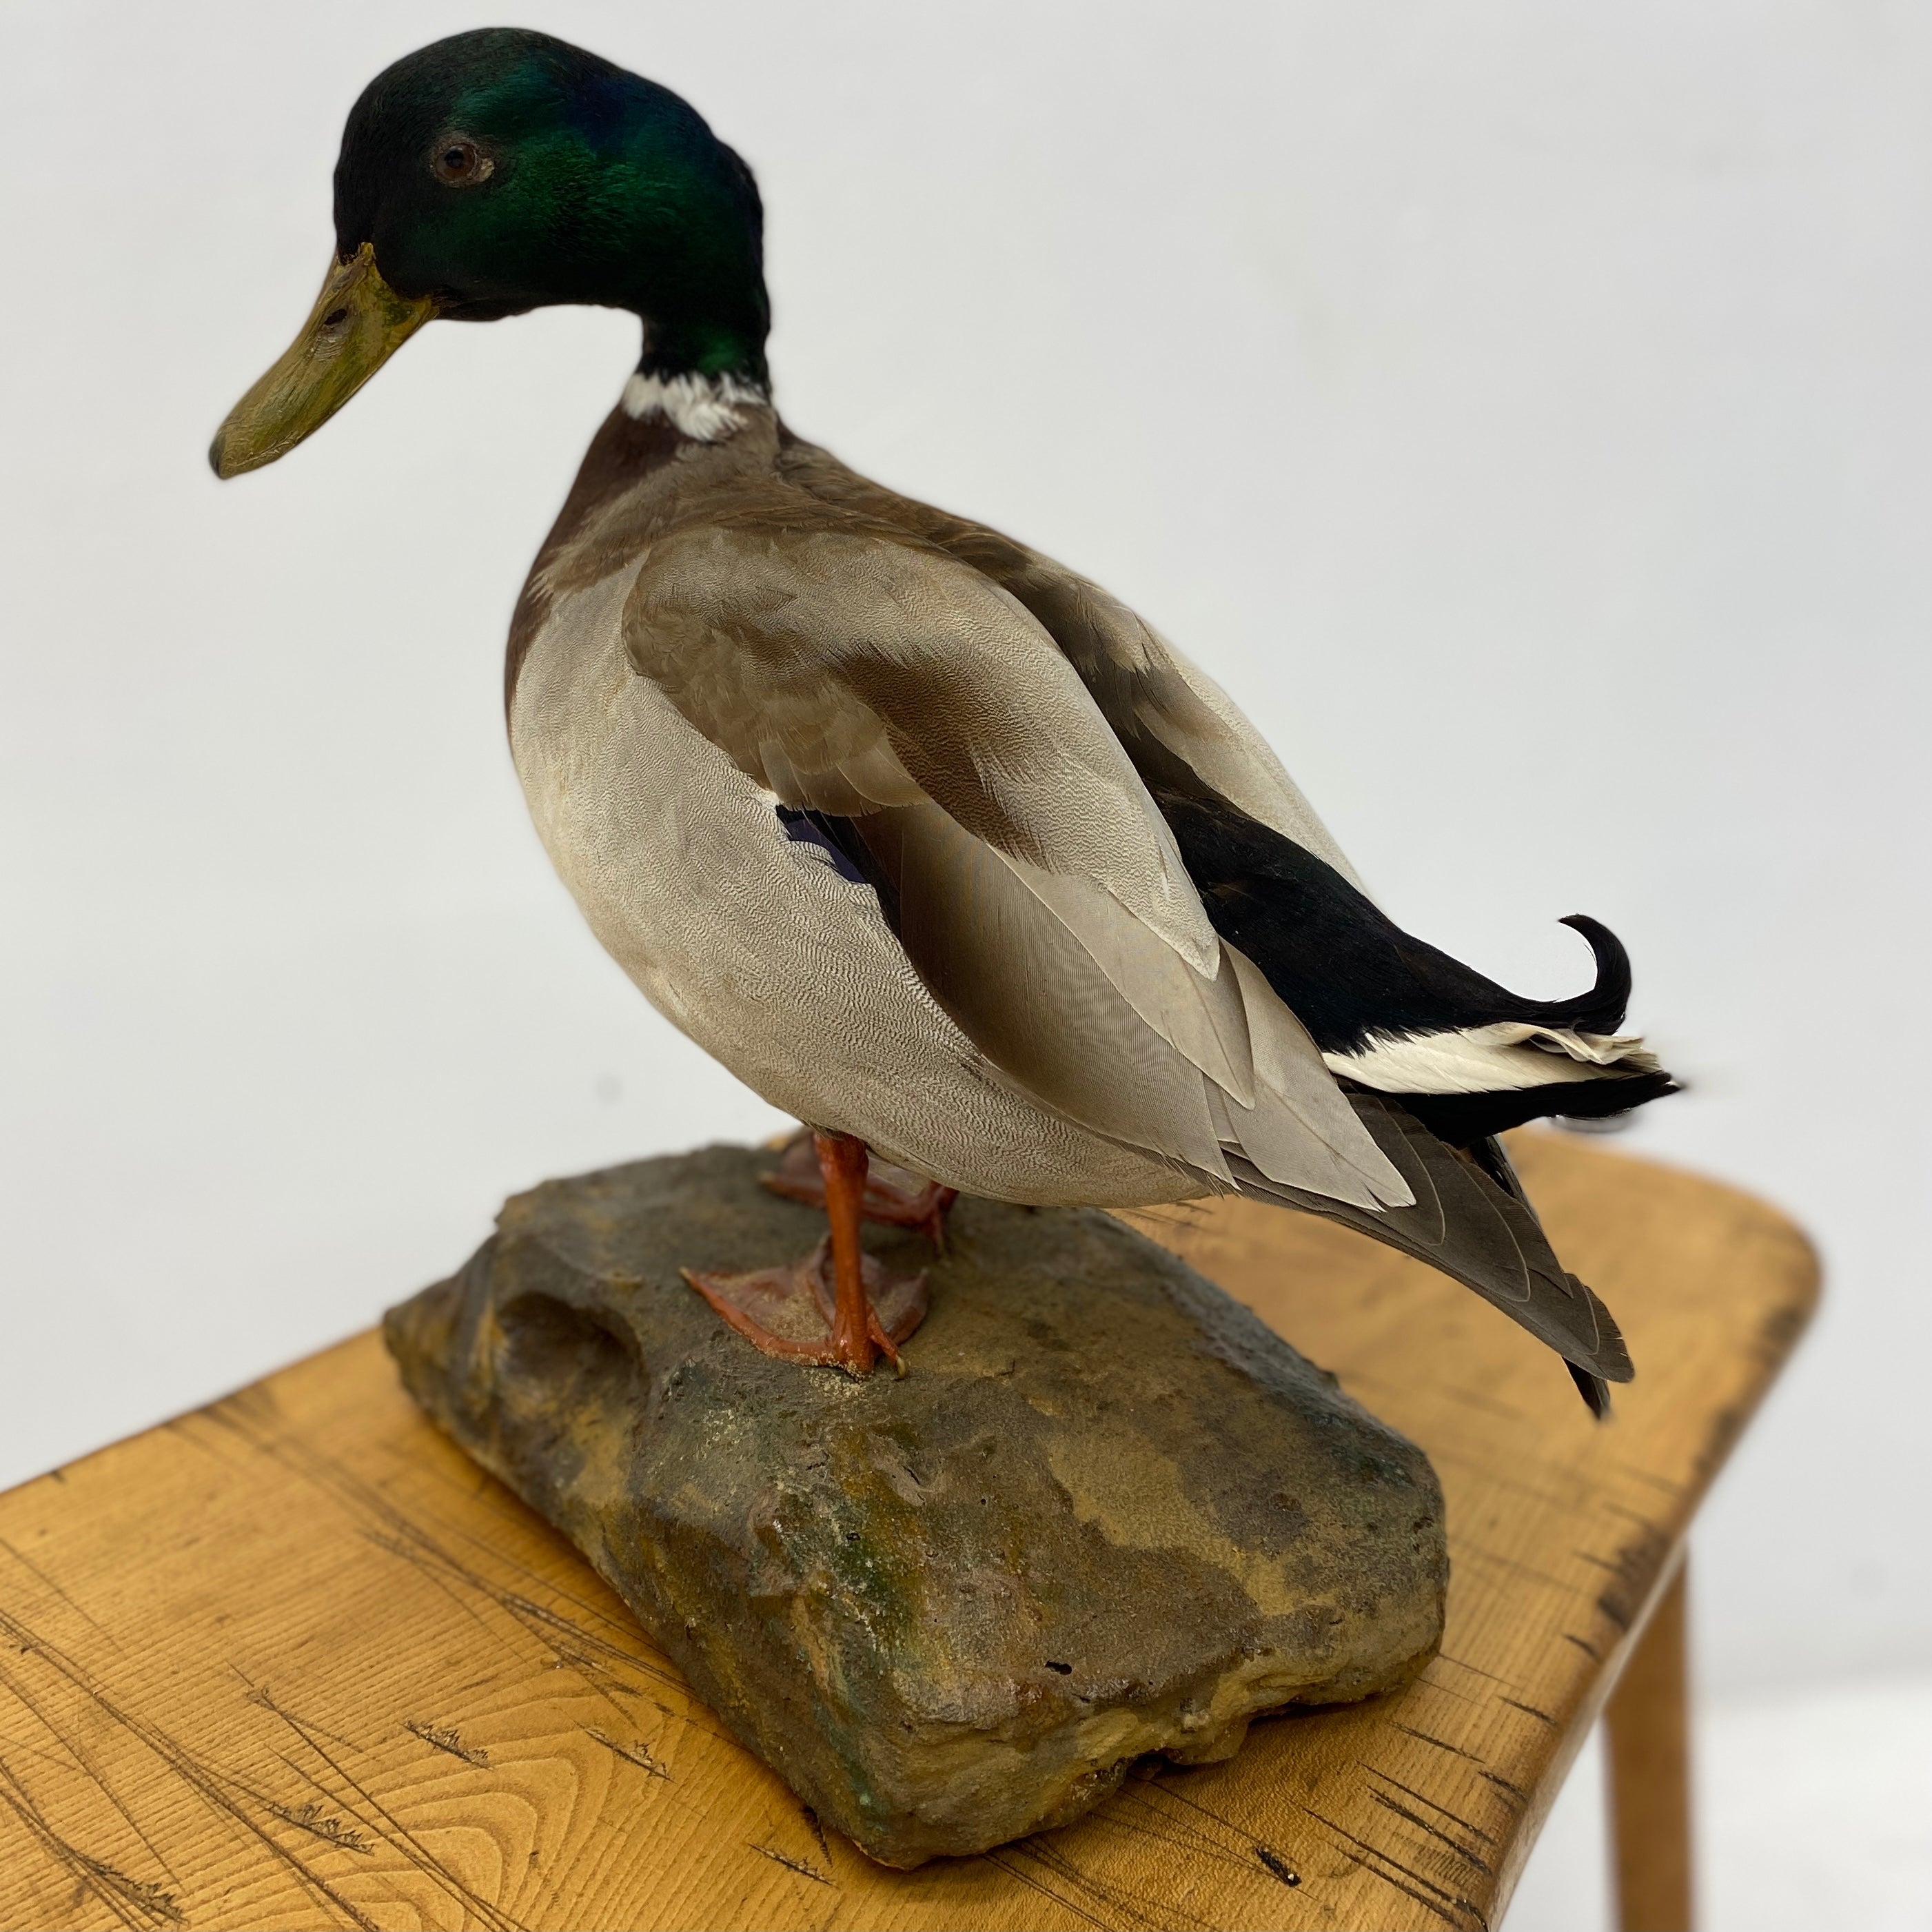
pixel 842 1160
pixel 838 1306
pixel 890 1195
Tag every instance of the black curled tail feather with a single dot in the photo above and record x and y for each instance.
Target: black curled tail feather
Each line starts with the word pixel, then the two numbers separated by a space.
pixel 1347 971
pixel 1602 1008
pixel 1471 1220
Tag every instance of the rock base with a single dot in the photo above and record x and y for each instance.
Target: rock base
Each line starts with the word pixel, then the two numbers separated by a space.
pixel 1107 1512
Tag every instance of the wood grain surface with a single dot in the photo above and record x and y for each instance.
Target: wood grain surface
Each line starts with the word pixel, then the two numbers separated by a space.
pixel 1646 1726
pixel 292 1661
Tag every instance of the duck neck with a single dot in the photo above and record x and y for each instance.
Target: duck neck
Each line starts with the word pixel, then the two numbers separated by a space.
pixel 701 382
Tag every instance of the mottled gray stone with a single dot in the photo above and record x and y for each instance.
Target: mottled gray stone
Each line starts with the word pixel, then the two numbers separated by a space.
pixel 1107 1513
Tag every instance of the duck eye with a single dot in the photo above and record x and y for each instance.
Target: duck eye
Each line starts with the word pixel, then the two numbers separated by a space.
pixel 458 163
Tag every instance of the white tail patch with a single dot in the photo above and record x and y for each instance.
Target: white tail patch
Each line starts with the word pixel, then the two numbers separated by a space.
pixel 1491 1059
pixel 705 408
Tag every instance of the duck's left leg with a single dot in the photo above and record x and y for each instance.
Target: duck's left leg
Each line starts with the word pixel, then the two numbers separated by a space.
pixel 839 1305
pixel 890 1194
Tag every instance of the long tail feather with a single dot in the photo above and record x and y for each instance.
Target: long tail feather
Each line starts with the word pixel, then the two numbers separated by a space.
pixel 1595 1390
pixel 1601 1009
pixel 1463 1118
pixel 1471 1220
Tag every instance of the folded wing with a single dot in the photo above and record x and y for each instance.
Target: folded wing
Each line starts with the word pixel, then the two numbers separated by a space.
pixel 1036 886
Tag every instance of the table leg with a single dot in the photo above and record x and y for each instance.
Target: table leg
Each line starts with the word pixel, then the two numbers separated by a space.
pixel 1649 1781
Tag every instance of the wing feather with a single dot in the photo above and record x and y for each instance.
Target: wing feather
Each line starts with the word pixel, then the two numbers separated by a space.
pixel 1057 1003
pixel 1029 995
pixel 841 671
pixel 1483 1234
pixel 1146 689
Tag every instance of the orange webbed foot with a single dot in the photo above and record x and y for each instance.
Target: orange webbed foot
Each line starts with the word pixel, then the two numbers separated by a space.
pixel 790 1311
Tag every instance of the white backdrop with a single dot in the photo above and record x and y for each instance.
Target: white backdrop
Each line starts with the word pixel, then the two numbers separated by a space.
pixel 1521 407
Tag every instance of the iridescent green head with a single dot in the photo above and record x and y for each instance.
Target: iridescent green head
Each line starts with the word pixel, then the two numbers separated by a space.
pixel 502 170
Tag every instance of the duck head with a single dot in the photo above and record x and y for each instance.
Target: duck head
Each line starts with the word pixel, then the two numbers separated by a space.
pixel 499 171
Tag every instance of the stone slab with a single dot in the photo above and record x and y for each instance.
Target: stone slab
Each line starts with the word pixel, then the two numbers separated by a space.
pixel 1108 1512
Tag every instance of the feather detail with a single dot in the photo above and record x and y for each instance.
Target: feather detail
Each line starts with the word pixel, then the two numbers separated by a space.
pixel 1508 1055
pixel 1075 1001
pixel 1477 1227
pixel 1287 1064
pixel 706 409
pixel 1204 1018
pixel 845 672
pixel 1595 1390
pixel 1467 1120
pixel 1155 699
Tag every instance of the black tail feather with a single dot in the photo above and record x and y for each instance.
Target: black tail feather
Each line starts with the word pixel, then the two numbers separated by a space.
pixel 1464 1119
pixel 1347 971
pixel 1595 1390
pixel 1601 1009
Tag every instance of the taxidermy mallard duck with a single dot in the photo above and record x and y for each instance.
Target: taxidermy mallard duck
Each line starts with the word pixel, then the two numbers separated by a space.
pixel 931 841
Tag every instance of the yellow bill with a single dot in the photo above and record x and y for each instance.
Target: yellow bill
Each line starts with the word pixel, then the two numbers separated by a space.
pixel 358 323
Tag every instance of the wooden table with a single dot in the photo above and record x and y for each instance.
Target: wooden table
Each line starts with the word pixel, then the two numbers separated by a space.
pixel 292 1661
